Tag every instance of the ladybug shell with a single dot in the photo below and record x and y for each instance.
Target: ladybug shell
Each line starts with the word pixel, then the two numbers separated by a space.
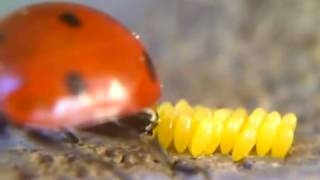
pixel 64 65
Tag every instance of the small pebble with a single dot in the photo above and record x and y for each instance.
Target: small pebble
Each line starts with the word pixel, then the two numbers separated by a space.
pixel 45 159
pixel 115 154
pixel 184 167
pixel 23 174
pixel 247 164
pixel 80 171
pixel 129 159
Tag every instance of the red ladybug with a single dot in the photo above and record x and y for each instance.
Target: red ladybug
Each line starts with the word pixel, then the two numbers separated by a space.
pixel 65 65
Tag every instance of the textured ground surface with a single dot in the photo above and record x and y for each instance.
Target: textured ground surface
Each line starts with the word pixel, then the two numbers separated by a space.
pixel 219 53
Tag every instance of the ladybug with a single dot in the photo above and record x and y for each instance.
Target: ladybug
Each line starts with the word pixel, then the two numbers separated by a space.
pixel 66 65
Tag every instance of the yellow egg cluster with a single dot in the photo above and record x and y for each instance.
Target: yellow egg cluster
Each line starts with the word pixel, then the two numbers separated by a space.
pixel 201 130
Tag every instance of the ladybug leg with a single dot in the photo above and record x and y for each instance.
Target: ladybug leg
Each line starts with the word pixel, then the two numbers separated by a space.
pixel 45 137
pixel 178 166
pixel 4 123
pixel 71 136
pixel 53 137
pixel 154 144
pixel 152 117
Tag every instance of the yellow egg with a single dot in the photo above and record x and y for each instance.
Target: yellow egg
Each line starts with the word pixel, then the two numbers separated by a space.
pixel 201 136
pixel 217 122
pixel 182 132
pixel 267 133
pixel 201 130
pixel 166 126
pixel 248 137
pixel 231 129
pixel 285 136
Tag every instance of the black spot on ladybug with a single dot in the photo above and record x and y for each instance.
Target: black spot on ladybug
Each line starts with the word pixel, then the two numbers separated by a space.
pixel 75 83
pixel 150 66
pixel 70 19
pixel 1 37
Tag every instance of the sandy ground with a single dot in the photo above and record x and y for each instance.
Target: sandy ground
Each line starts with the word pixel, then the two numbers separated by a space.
pixel 219 53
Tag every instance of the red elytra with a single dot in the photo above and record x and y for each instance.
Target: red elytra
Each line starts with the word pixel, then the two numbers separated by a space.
pixel 65 65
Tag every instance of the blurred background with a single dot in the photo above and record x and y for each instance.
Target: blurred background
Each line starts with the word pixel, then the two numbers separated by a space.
pixel 233 53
